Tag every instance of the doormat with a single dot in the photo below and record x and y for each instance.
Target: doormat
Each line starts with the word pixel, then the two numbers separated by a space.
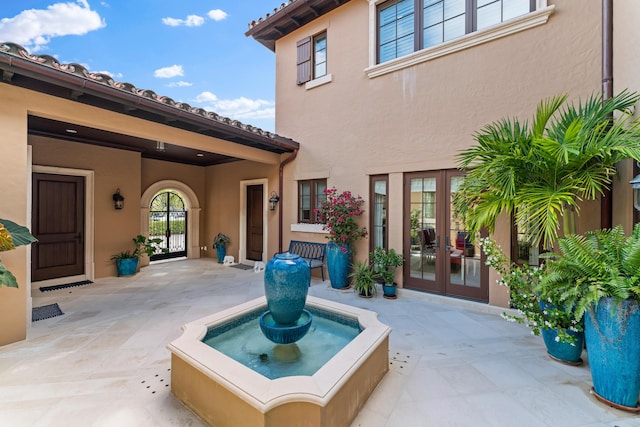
pixel 242 266
pixel 67 285
pixel 45 312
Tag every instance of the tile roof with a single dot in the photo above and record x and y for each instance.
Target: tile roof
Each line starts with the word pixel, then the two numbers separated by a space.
pixel 78 70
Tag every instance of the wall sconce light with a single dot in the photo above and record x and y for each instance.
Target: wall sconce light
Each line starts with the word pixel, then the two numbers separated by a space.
pixel 160 146
pixel 635 184
pixel 273 201
pixel 118 200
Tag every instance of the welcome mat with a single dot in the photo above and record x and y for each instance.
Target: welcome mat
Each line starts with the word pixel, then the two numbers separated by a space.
pixel 242 266
pixel 67 285
pixel 45 312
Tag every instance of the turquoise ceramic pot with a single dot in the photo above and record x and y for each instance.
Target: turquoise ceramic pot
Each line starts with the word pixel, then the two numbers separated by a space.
pixel 338 264
pixel 286 282
pixel 561 351
pixel 612 331
pixel 127 266
pixel 222 252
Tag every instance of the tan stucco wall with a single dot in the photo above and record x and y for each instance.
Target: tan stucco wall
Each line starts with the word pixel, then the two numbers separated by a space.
pixel 223 204
pixel 418 118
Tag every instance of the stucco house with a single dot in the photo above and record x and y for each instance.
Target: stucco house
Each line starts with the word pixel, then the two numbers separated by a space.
pixel 372 96
pixel 72 140
pixel 382 94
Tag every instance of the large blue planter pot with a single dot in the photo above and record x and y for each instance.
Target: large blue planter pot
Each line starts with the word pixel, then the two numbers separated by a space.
pixel 338 264
pixel 612 331
pixel 561 351
pixel 286 282
pixel 221 250
pixel 127 266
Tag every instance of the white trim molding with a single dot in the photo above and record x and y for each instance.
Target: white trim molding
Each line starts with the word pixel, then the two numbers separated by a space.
pixel 309 228
pixel 539 17
pixel 327 78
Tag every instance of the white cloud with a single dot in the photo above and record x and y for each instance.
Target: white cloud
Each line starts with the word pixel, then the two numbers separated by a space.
pixel 34 28
pixel 217 14
pixel 168 72
pixel 191 21
pixel 239 108
pixel 180 84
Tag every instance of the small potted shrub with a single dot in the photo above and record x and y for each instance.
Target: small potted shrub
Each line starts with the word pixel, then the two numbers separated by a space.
pixel 364 281
pixel 385 264
pixel 127 261
pixel 220 242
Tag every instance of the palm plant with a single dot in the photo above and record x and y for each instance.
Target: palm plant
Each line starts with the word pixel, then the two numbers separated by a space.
pixel 11 236
pixel 542 172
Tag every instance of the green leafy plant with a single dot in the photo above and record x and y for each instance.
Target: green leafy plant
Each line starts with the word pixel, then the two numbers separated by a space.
pixel 339 213
pixel 385 263
pixel 12 235
pixel 541 172
pixel 534 310
pixel 364 281
pixel 221 239
pixel 602 263
pixel 143 245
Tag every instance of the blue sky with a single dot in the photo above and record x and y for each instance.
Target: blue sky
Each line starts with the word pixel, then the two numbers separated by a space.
pixel 193 51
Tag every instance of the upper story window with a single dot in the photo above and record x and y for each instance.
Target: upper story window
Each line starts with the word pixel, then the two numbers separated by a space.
pixel 406 26
pixel 310 195
pixel 312 58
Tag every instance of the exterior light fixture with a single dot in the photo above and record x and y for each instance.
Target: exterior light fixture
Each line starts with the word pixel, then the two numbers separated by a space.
pixel 635 184
pixel 118 200
pixel 273 201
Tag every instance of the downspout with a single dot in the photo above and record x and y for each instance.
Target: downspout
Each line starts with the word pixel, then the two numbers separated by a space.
pixel 606 205
pixel 280 188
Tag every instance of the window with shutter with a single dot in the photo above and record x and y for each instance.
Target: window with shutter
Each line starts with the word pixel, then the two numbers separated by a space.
pixel 304 60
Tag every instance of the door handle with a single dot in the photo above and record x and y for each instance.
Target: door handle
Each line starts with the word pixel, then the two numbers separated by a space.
pixel 79 237
pixel 448 246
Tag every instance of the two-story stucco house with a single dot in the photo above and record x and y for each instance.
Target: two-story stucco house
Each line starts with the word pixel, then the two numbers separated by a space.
pixel 382 95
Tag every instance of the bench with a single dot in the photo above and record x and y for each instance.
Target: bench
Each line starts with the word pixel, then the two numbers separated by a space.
pixel 312 252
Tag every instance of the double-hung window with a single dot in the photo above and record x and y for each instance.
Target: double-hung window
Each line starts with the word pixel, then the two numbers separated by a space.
pixel 406 26
pixel 312 58
pixel 310 195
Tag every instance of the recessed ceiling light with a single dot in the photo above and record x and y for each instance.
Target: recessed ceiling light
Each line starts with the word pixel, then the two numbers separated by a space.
pixel 71 131
pixel 200 155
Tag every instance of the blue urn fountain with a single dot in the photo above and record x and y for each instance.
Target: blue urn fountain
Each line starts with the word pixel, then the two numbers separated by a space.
pixel 287 278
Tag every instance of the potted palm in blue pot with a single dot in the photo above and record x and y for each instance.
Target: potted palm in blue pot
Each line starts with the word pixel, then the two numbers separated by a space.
pixel 385 264
pixel 220 242
pixel 127 261
pixel 599 276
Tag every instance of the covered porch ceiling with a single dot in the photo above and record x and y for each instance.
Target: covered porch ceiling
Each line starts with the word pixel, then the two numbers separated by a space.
pixel 44 74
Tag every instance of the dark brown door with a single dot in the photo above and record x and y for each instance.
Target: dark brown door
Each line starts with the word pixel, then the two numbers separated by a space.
pixel 254 222
pixel 442 257
pixel 58 224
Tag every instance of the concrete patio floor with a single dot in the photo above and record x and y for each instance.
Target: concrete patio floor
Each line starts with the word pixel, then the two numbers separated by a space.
pixel 453 363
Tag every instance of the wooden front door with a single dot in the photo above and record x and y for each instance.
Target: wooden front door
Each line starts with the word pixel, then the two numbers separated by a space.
pixel 442 257
pixel 254 222
pixel 58 224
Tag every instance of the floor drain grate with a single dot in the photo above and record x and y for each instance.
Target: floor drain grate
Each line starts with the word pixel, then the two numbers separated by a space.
pixel 158 382
pixel 399 361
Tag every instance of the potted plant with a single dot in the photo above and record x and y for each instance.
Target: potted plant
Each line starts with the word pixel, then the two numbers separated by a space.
pixel 561 330
pixel 127 261
pixel 220 242
pixel 538 174
pixel 385 264
pixel 599 275
pixel 339 213
pixel 11 236
pixel 364 281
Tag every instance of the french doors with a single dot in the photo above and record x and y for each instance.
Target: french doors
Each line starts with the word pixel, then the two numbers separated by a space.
pixel 440 256
pixel 168 222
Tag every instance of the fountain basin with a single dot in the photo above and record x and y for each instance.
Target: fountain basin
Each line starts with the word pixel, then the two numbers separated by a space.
pixel 224 392
pixel 285 334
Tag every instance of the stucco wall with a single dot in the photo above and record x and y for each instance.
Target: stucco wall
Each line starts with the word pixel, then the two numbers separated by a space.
pixel 223 204
pixel 418 118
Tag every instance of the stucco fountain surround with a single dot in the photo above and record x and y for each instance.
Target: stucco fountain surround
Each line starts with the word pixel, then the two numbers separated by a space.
pixel 224 392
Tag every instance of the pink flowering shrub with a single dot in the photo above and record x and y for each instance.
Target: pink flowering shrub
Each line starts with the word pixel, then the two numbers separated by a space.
pixel 339 213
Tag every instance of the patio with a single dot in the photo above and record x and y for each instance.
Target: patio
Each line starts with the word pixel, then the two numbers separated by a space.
pixel 454 363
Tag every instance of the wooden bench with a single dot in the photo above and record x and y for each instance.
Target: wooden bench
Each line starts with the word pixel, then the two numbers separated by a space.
pixel 312 252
